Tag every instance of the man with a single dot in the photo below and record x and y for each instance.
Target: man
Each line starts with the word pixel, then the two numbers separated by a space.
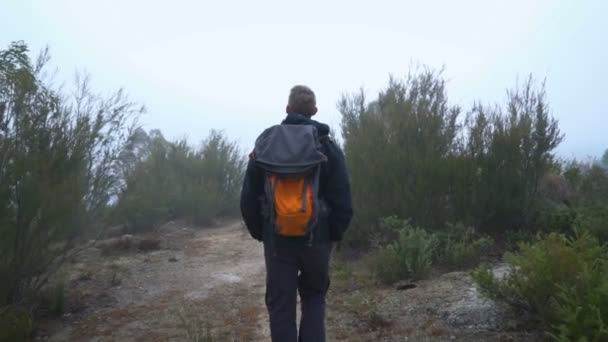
pixel 295 264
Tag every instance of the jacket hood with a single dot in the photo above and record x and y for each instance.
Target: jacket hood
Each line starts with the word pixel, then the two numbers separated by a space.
pixel 299 119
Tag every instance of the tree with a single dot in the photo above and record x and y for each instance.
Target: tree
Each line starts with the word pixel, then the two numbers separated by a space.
pixel 516 151
pixel 58 168
pixel 174 180
pixel 410 155
pixel 397 148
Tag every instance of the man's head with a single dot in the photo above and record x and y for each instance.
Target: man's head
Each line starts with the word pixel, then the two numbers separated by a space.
pixel 302 100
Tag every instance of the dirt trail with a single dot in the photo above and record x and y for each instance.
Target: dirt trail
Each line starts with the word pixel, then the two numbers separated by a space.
pixel 210 276
pixel 215 278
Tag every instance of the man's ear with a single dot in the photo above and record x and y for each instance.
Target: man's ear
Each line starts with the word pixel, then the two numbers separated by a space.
pixel 315 111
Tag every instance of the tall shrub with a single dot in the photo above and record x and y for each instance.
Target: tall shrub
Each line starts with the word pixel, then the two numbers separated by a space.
pixel 58 168
pixel 411 154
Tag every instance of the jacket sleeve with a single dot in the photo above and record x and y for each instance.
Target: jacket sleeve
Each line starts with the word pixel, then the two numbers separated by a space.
pixel 253 189
pixel 337 193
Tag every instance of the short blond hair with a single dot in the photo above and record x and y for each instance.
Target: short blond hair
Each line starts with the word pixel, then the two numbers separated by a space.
pixel 302 100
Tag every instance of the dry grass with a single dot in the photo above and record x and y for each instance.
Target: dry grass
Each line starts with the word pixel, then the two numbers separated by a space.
pixel 196 327
pixel 217 319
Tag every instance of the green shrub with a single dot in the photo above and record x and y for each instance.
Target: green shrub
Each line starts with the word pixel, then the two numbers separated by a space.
pixel 559 220
pixel 590 205
pixel 174 180
pixel 594 220
pixel 341 270
pixel 52 298
pixel 388 230
pixel 564 280
pixel 15 324
pixel 514 238
pixel 461 246
pixel 593 185
pixel 59 157
pixel 488 284
pixel 583 309
pixel 409 256
pixel 404 251
pixel 411 153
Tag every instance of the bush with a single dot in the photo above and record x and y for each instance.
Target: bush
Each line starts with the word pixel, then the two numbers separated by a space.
pixel 410 154
pixel 52 298
pixel 404 251
pixel 583 309
pixel 409 256
pixel 567 221
pixel 515 238
pixel 592 186
pixel 461 247
pixel 58 169
pixel 557 220
pixel 173 180
pixel 15 324
pixel 563 280
pixel 594 220
pixel 388 230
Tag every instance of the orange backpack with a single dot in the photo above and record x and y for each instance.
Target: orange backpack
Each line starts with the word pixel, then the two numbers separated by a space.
pixel 291 157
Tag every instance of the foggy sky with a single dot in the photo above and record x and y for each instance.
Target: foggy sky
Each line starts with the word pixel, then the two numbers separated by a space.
pixel 199 65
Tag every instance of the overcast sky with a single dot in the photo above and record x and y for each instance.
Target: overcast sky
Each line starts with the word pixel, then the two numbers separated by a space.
pixel 199 65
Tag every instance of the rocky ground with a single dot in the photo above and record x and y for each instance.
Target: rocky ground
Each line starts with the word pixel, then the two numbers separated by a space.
pixel 208 285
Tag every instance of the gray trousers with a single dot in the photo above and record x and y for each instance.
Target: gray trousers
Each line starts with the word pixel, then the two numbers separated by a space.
pixel 293 268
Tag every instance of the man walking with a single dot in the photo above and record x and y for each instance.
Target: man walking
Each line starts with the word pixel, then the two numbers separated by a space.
pixel 296 199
